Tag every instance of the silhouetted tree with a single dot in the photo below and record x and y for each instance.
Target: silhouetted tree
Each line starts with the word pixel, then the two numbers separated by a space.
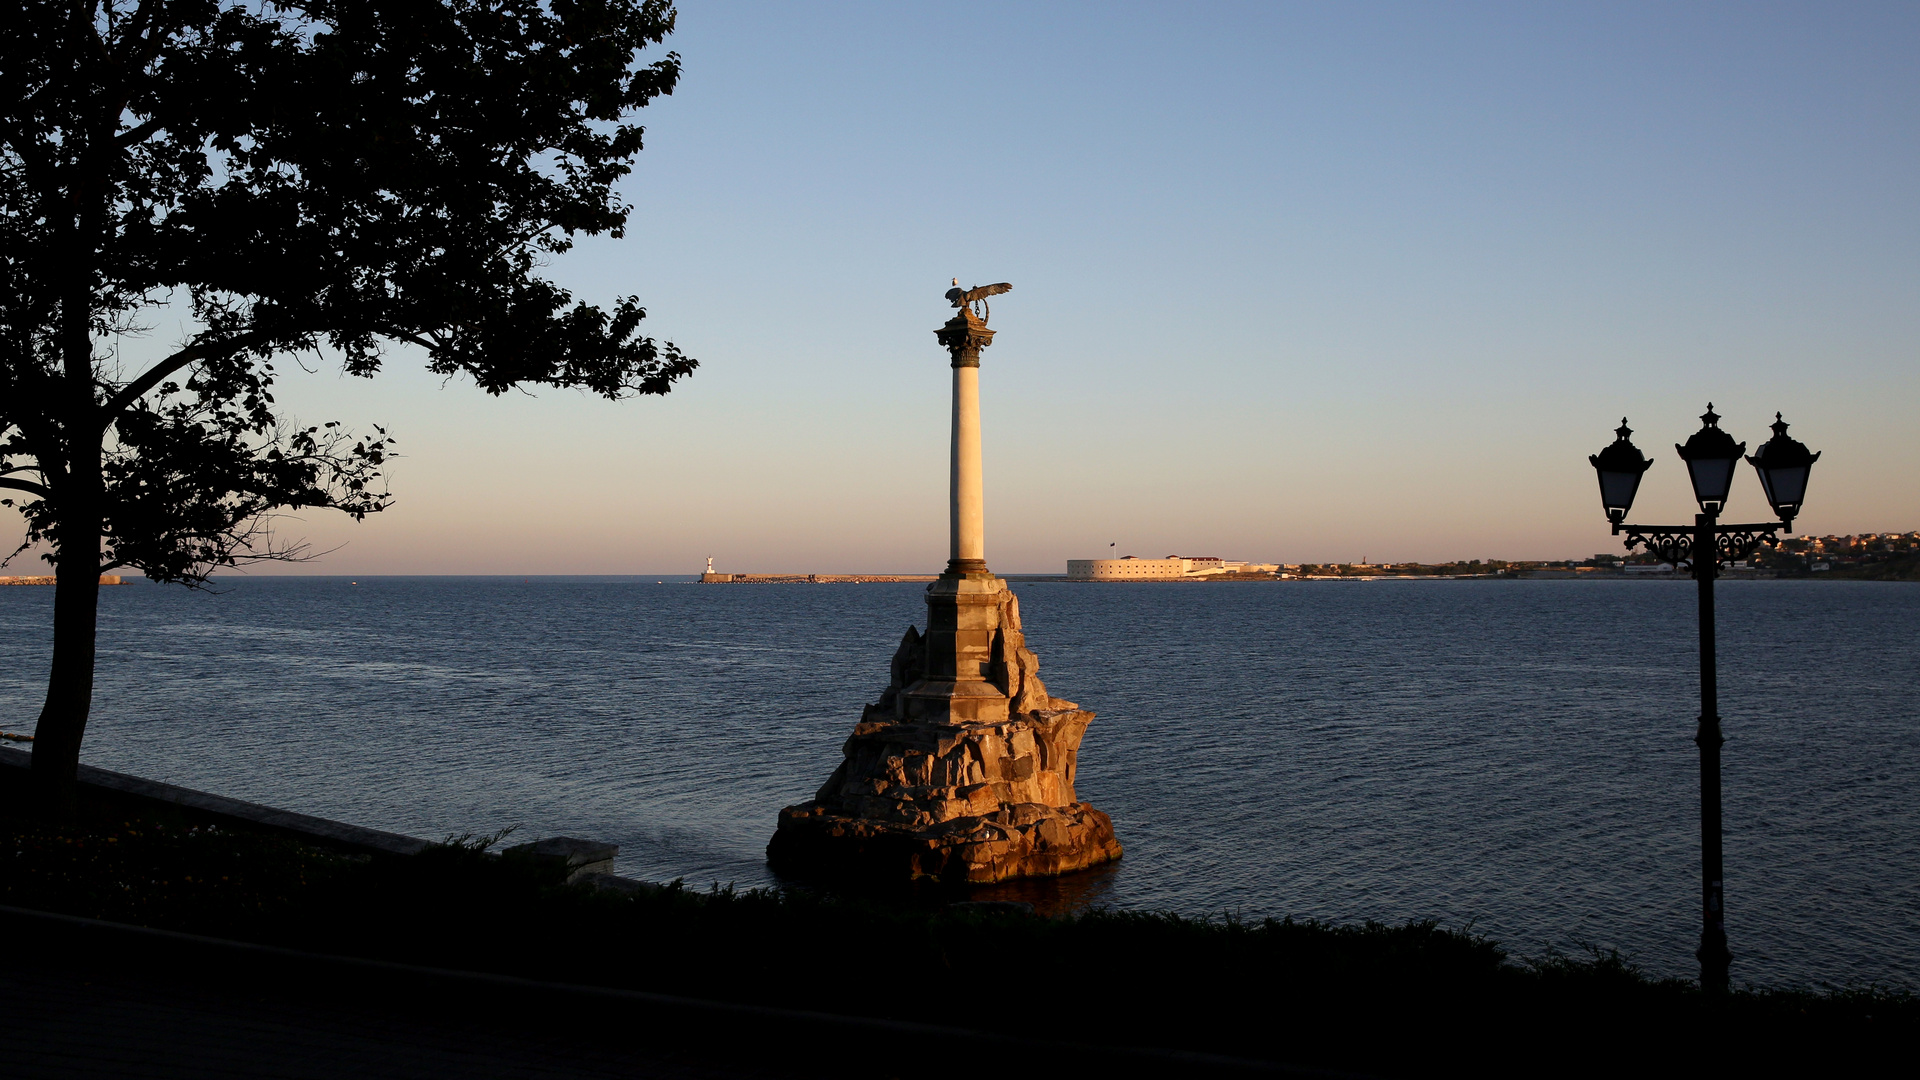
pixel 284 178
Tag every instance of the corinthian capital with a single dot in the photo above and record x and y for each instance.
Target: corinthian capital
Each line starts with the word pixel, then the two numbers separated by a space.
pixel 963 337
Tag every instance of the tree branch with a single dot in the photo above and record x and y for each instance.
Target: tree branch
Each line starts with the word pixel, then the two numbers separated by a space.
pixel 427 342
pixel 139 387
pixel 14 139
pixel 36 434
pixel 150 36
pixel 139 134
pixel 27 486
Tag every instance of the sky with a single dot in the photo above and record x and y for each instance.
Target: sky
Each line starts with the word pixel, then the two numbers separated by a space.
pixel 1291 282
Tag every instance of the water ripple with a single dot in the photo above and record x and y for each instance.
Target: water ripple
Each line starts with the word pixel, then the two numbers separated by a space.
pixel 1513 754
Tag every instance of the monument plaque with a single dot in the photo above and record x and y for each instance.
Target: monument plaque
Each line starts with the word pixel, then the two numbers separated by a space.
pixel 964 769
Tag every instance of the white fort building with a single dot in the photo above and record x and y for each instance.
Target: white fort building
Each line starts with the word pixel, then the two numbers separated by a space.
pixel 1171 568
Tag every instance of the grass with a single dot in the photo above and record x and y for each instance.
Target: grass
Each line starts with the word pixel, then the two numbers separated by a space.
pixel 1407 999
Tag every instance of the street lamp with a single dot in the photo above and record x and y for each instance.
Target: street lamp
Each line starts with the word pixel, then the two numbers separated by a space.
pixel 1711 456
pixel 1783 465
pixel 1620 467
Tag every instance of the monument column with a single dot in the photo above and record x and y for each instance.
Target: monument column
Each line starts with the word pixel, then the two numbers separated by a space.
pixel 964 336
pixel 963 606
pixel 964 769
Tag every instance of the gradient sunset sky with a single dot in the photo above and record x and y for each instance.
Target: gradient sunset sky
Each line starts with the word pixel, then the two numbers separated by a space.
pixel 1292 282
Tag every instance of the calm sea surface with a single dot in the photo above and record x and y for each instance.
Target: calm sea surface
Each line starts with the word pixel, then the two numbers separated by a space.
pixel 1512 754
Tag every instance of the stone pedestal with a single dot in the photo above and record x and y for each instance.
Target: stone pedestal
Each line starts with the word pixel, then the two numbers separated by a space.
pixel 963 771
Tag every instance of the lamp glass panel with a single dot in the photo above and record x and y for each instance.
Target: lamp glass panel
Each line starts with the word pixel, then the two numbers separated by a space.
pixel 1617 489
pixel 1712 477
pixel 1786 487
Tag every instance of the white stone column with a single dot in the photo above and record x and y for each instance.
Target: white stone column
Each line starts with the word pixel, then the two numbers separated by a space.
pixel 964 336
pixel 969 532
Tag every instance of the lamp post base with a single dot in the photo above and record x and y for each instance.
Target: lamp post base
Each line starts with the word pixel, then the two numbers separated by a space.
pixel 1716 961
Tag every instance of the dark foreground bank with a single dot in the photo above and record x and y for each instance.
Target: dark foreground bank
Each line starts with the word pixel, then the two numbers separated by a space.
pixel 975 988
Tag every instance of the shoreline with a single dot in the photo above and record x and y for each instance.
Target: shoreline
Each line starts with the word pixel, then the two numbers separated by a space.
pixel 123 905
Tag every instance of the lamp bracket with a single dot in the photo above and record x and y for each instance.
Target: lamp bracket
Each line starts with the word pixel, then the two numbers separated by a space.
pixel 1674 544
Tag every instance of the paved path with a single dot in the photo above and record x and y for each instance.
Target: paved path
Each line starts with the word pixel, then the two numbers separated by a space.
pixel 65 1026
pixel 81 998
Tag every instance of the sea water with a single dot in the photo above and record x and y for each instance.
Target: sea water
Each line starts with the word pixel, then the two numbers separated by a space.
pixel 1514 756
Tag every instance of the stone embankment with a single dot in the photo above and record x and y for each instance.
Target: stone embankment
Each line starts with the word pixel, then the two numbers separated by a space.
pixel 586 862
pixel 953 798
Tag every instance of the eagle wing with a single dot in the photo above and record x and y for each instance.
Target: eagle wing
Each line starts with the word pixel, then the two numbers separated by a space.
pixel 956 296
pixel 985 291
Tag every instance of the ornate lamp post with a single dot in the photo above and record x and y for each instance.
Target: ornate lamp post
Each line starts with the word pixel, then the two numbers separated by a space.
pixel 1711 456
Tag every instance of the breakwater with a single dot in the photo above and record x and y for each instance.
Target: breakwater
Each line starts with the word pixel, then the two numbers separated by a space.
pixel 809 579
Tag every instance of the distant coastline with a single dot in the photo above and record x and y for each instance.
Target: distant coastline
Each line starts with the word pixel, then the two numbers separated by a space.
pixel 1889 556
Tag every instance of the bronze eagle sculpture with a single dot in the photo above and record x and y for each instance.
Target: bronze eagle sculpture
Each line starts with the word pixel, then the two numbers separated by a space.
pixel 960 297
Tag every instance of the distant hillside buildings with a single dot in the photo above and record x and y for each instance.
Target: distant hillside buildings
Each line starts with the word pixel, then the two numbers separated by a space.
pixel 1821 553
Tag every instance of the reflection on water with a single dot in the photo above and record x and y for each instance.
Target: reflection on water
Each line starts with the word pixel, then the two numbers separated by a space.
pixel 1514 754
pixel 1057 895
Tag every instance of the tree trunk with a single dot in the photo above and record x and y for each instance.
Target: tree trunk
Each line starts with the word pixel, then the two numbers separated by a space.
pixel 73 477
pixel 78 495
pixel 63 720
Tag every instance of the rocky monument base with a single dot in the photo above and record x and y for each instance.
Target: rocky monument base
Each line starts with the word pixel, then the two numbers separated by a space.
pixel 954 779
